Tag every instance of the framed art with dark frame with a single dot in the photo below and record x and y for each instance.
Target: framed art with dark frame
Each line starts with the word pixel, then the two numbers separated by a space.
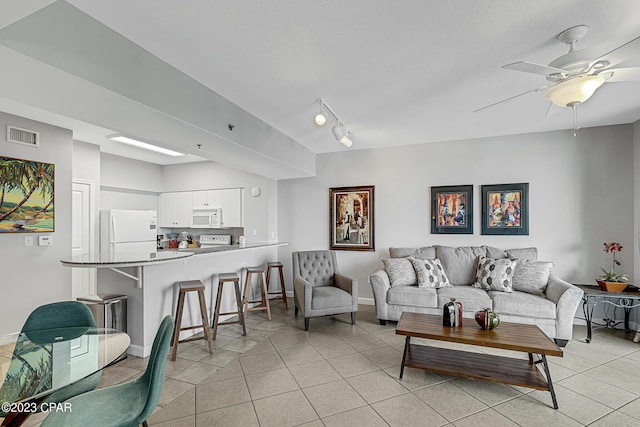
pixel 505 209
pixel 351 218
pixel 452 209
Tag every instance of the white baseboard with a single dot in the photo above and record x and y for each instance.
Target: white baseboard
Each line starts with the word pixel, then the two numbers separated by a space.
pixel 137 350
pixel 366 301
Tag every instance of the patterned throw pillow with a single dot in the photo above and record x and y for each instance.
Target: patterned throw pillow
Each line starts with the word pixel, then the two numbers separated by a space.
pixel 495 274
pixel 430 273
pixel 400 271
pixel 531 276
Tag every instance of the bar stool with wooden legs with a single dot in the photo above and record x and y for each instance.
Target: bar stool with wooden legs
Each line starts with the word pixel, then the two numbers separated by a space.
pixel 222 279
pixel 281 292
pixel 264 302
pixel 186 287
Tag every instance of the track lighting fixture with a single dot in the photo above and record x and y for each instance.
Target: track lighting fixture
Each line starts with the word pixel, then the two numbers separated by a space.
pixel 340 131
pixel 320 118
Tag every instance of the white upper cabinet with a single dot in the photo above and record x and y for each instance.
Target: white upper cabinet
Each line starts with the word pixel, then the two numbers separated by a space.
pixel 231 204
pixel 206 199
pixel 175 209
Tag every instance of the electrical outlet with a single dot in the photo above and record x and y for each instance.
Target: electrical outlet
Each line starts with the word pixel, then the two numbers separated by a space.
pixel 28 240
pixel 255 232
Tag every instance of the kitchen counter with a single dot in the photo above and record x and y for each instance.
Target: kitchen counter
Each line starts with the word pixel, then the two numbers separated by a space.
pixel 123 259
pixel 154 276
pixel 227 248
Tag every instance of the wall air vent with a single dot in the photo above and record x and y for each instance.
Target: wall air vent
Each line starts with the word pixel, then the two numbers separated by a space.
pixel 23 136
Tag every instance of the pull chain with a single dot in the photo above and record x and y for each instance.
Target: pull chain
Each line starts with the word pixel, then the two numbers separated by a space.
pixel 575 120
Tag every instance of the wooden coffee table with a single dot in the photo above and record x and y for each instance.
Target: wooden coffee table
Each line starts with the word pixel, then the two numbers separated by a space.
pixel 508 336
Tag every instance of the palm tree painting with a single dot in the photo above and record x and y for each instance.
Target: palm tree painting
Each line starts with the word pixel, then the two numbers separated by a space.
pixel 26 196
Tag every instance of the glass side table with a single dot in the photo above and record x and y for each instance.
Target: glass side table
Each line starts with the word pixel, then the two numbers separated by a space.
pixel 593 296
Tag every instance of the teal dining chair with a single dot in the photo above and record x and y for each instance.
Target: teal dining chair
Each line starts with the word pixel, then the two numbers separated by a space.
pixel 60 315
pixel 122 405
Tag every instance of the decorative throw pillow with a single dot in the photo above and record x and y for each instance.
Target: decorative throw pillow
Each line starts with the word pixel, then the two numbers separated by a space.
pixel 531 276
pixel 430 273
pixel 495 274
pixel 400 271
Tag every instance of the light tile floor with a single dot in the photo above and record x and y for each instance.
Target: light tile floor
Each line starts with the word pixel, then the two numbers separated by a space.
pixel 342 375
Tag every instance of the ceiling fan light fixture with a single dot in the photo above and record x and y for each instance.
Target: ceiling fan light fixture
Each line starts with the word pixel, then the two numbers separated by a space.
pixel 574 91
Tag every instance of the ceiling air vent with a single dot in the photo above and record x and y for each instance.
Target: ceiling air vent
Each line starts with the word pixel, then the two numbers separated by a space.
pixel 23 136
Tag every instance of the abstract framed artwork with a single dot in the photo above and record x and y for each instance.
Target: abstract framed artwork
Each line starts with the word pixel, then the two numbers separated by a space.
pixel 26 196
pixel 505 209
pixel 351 218
pixel 452 209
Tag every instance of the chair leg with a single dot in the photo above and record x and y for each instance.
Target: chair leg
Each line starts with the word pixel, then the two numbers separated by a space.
pixel 382 322
pixel 144 424
pixel 265 295
pixel 284 292
pixel 353 317
pixel 216 315
pixel 306 323
pixel 240 311
pixel 245 292
pixel 205 320
pixel 176 329
pixel 295 311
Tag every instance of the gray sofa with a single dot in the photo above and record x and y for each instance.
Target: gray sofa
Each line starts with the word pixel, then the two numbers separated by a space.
pixel 551 306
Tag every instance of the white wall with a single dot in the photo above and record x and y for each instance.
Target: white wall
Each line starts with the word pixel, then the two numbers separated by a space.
pixel 129 184
pixel 581 195
pixel 32 276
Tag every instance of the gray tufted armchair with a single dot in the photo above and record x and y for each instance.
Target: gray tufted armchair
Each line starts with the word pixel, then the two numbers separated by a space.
pixel 319 289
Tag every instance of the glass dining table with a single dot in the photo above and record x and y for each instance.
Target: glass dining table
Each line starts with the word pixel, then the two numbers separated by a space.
pixel 35 364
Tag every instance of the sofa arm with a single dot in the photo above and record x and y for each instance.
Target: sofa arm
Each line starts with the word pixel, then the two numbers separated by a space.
pixel 347 284
pixel 380 285
pixel 567 297
pixel 302 292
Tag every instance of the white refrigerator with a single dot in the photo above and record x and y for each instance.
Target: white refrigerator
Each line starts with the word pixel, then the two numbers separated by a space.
pixel 128 231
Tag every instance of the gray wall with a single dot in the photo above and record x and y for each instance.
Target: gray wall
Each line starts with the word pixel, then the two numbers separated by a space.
pixel 581 195
pixel 32 276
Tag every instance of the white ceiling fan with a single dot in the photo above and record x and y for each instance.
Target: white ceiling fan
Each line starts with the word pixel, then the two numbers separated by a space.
pixel 575 76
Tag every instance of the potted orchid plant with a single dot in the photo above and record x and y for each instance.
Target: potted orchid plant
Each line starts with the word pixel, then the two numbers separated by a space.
pixel 610 280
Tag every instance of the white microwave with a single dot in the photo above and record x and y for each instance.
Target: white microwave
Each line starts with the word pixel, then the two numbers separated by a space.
pixel 211 218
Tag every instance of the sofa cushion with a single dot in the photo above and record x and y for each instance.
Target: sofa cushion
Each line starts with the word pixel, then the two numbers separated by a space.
pixel 400 271
pixel 531 276
pixel 523 253
pixel 329 297
pixel 522 304
pixel 460 263
pixel 413 296
pixel 472 299
pixel 427 252
pixel 495 253
pixel 430 273
pixel 495 274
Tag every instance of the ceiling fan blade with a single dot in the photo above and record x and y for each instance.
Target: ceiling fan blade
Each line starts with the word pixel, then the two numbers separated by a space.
pixel 539 89
pixel 623 52
pixel 530 67
pixel 623 74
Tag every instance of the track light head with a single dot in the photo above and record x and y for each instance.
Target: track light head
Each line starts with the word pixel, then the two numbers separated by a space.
pixel 320 119
pixel 342 135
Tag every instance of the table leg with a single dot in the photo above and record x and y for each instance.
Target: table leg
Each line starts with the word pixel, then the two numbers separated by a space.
pixel 627 310
pixel 404 356
pixel 530 359
pixel 587 316
pixel 549 383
